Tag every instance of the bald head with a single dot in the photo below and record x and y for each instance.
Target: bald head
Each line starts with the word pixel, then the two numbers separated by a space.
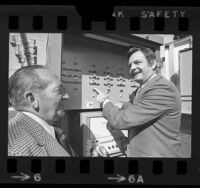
pixel 46 75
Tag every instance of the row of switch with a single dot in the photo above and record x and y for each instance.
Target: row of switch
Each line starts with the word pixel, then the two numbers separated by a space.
pixel 72 76
pixel 108 78
pixel 105 84
pixel 111 85
pixel 94 77
pixel 94 83
pixel 108 84
pixel 71 69
pixel 108 73
pixel 112 147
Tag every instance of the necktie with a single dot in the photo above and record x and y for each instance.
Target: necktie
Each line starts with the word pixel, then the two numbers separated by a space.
pixel 65 143
pixel 133 95
pixel 62 139
pixel 137 91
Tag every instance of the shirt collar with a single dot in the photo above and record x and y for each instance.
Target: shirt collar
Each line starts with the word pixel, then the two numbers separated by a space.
pixel 44 124
pixel 148 80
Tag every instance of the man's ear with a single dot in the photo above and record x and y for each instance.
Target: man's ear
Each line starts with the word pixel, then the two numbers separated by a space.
pixel 154 65
pixel 31 99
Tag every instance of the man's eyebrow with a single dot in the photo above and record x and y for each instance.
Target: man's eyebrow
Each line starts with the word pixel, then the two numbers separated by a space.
pixel 137 61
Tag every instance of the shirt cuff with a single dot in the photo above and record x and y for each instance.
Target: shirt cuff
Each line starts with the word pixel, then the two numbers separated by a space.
pixel 106 101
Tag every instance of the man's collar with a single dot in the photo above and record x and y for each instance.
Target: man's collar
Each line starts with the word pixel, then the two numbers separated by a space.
pixel 33 127
pixel 44 124
pixel 148 80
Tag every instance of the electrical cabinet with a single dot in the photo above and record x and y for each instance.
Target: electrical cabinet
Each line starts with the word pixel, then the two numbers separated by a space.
pixel 101 66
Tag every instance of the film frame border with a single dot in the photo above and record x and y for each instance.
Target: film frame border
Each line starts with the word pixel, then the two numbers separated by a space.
pixel 184 171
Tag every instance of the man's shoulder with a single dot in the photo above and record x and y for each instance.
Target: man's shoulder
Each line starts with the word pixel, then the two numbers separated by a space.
pixel 161 88
pixel 12 121
pixel 164 83
pixel 22 144
pixel 16 120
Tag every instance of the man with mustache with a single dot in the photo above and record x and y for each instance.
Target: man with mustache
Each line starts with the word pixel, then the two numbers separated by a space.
pixel 153 114
pixel 36 93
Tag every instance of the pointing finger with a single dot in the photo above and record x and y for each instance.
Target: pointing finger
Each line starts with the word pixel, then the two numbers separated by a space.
pixel 96 90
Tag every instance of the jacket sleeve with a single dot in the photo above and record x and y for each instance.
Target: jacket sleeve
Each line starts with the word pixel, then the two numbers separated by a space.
pixel 153 104
pixel 125 105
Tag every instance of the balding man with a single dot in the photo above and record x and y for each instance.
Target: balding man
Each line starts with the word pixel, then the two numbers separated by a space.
pixel 36 93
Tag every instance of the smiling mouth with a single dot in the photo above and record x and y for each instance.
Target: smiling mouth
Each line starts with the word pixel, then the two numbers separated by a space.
pixel 135 74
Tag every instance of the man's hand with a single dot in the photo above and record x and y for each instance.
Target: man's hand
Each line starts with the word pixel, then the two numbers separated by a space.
pixel 109 127
pixel 100 152
pixel 101 97
pixel 119 105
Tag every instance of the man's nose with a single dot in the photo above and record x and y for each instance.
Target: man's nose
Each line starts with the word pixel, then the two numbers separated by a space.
pixel 132 68
pixel 64 94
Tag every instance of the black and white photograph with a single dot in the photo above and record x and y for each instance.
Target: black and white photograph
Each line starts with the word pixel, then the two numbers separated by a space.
pixel 100 95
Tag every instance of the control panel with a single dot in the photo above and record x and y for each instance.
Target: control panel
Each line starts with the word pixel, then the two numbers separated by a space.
pixel 80 77
pixel 96 135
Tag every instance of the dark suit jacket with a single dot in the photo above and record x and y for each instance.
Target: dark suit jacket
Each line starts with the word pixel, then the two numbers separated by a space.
pixel 152 118
pixel 26 137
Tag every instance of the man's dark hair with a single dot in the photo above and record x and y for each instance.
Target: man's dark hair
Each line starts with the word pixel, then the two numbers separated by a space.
pixel 148 53
pixel 24 79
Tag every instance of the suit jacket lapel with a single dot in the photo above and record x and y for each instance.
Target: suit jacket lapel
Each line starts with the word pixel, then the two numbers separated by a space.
pixel 148 84
pixel 62 139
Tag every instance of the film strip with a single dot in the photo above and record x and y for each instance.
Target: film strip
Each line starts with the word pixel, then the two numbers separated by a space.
pixel 112 28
